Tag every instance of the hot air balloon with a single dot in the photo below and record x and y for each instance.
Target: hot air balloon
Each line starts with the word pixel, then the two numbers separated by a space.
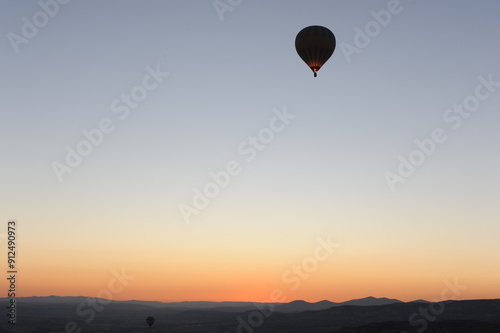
pixel 315 45
pixel 150 321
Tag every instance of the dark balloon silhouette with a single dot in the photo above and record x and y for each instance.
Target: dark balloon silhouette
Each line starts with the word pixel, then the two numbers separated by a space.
pixel 315 45
pixel 150 321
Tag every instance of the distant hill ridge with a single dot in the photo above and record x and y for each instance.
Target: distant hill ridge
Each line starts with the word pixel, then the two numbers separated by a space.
pixel 52 314
pixel 294 306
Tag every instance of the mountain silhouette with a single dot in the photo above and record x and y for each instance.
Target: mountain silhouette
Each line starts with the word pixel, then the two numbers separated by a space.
pixel 299 306
pixel 51 314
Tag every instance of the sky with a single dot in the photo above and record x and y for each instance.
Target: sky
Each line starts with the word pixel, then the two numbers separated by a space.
pixel 182 150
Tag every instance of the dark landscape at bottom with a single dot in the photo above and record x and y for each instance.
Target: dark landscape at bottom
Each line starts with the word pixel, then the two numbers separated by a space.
pixel 82 314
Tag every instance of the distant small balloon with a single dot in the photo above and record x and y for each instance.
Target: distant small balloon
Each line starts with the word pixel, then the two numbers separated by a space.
pixel 150 321
pixel 315 45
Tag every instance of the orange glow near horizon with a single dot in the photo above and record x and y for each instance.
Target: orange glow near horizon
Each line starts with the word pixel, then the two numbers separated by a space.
pixel 251 264
pixel 335 282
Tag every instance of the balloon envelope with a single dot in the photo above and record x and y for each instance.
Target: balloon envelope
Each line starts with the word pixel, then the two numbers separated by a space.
pixel 150 321
pixel 315 45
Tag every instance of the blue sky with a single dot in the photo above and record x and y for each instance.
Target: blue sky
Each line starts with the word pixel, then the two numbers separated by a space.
pixel 324 173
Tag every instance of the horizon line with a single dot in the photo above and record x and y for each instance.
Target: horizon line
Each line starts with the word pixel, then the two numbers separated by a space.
pixel 296 300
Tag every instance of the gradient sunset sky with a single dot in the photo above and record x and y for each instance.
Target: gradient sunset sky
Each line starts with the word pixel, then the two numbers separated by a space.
pixel 223 73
